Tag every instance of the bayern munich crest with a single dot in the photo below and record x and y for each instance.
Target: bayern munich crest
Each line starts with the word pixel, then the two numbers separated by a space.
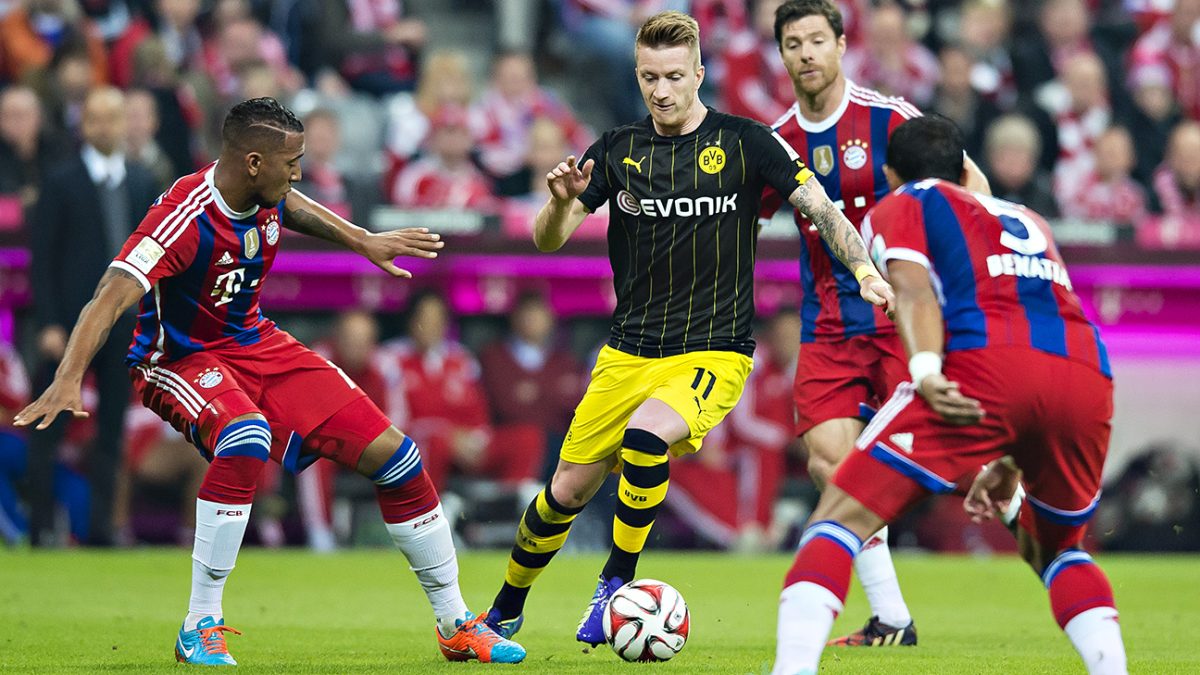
pixel 854 154
pixel 628 203
pixel 209 379
pixel 272 232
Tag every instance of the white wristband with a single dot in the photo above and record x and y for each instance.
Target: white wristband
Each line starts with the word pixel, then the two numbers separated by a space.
pixel 922 365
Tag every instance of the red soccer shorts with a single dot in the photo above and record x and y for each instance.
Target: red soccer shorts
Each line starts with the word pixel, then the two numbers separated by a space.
pixel 296 389
pixel 835 380
pixel 1053 415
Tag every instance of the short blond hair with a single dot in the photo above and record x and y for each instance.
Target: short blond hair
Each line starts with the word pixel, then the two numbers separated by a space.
pixel 670 29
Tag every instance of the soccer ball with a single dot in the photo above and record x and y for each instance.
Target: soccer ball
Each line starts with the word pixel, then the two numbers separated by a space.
pixel 646 620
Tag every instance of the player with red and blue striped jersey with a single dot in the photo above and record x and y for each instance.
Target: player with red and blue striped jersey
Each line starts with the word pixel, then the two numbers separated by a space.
pixel 205 359
pixel 1006 372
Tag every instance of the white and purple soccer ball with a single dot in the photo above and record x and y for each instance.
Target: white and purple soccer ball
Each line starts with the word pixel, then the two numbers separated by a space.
pixel 646 620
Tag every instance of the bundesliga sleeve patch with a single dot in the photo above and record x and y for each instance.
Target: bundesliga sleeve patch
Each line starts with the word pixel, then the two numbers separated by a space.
pixel 145 255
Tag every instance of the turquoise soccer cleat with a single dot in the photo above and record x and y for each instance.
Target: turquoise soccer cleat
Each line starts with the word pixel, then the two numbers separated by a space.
pixel 205 646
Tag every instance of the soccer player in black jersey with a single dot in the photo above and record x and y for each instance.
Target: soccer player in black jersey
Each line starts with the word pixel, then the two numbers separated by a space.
pixel 683 187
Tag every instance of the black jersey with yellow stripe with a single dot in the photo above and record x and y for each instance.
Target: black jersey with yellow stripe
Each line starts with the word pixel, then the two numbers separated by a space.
pixel 682 231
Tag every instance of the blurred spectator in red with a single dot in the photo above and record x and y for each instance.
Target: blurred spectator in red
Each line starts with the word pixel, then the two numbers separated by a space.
pixel 1150 119
pixel 1177 181
pixel 446 178
pixel 447 413
pixel 26 150
pixel 141 114
pixel 446 80
pixel 1011 149
pixel 755 83
pixel 14 394
pixel 957 99
pixel 547 147
pixel 173 22
pixel 984 27
pixel 371 43
pixel 321 178
pixel 890 61
pixel 506 111
pixel 35 32
pixel 532 385
pixel 1172 47
pixel 1109 193
pixel 1080 117
pixel 1063 30
pixel 239 43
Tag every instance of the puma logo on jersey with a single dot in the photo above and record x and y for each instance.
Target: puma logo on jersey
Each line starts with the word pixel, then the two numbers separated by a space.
pixel 637 165
pixel 903 441
pixel 699 408
pixel 225 259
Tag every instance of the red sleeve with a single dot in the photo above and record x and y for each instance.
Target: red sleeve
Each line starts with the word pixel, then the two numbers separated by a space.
pixel 895 230
pixel 164 244
pixel 771 201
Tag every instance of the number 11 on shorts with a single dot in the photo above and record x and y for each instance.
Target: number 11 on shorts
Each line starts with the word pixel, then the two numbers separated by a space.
pixel 700 377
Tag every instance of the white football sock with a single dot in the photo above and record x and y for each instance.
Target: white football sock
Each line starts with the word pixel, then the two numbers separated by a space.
pixel 427 543
pixel 219 532
pixel 877 574
pixel 1096 635
pixel 806 614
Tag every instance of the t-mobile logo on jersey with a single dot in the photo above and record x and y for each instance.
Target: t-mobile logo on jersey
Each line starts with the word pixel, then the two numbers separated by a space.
pixel 228 285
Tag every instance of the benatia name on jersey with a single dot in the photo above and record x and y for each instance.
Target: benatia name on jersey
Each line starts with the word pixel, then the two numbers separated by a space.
pixel 1029 267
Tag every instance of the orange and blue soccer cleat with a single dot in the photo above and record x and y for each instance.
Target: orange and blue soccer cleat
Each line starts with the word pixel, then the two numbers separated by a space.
pixel 878 634
pixel 205 646
pixel 474 639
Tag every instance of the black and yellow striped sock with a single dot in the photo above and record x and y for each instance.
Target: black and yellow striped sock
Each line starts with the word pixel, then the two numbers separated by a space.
pixel 643 486
pixel 542 532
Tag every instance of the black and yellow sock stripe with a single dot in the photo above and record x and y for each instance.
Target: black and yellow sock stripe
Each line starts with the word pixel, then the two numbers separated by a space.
pixel 643 486
pixel 542 532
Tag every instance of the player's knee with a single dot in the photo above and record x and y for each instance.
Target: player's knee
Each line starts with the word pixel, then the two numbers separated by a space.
pixel 244 436
pixel 651 447
pixel 403 465
pixel 820 469
pixel 229 408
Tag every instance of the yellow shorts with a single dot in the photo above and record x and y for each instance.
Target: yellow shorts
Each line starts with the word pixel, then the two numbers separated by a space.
pixel 701 386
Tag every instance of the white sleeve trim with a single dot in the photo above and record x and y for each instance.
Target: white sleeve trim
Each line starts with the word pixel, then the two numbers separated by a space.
pixel 897 253
pixel 122 265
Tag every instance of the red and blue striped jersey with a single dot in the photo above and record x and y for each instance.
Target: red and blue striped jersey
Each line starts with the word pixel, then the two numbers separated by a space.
pixel 994 266
pixel 202 265
pixel 846 151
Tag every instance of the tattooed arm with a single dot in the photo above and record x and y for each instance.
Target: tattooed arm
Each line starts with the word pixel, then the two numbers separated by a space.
pixel 844 241
pixel 301 214
pixel 117 291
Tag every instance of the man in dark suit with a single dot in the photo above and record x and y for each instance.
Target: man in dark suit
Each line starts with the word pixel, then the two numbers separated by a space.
pixel 89 204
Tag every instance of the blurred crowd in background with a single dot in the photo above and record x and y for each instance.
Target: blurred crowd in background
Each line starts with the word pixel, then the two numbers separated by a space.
pixel 1085 110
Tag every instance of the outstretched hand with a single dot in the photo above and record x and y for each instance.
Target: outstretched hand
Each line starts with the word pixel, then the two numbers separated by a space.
pixel 57 398
pixel 415 242
pixel 567 180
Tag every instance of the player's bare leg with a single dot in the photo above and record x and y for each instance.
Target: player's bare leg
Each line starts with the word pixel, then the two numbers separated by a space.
pixel 541 534
pixel 645 475
pixel 419 528
pixel 240 449
pixel 828 444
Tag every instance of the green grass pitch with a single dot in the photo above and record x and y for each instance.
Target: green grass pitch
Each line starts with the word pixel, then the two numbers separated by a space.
pixel 362 612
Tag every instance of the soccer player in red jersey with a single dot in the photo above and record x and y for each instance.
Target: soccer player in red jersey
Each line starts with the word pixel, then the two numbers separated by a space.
pixel 205 359
pixel 1003 365
pixel 850 359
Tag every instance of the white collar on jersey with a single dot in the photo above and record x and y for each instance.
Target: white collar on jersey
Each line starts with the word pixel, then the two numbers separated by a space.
pixel 220 201
pixel 825 124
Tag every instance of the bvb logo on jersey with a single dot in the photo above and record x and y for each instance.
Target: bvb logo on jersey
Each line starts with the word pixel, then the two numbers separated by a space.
pixel 711 159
